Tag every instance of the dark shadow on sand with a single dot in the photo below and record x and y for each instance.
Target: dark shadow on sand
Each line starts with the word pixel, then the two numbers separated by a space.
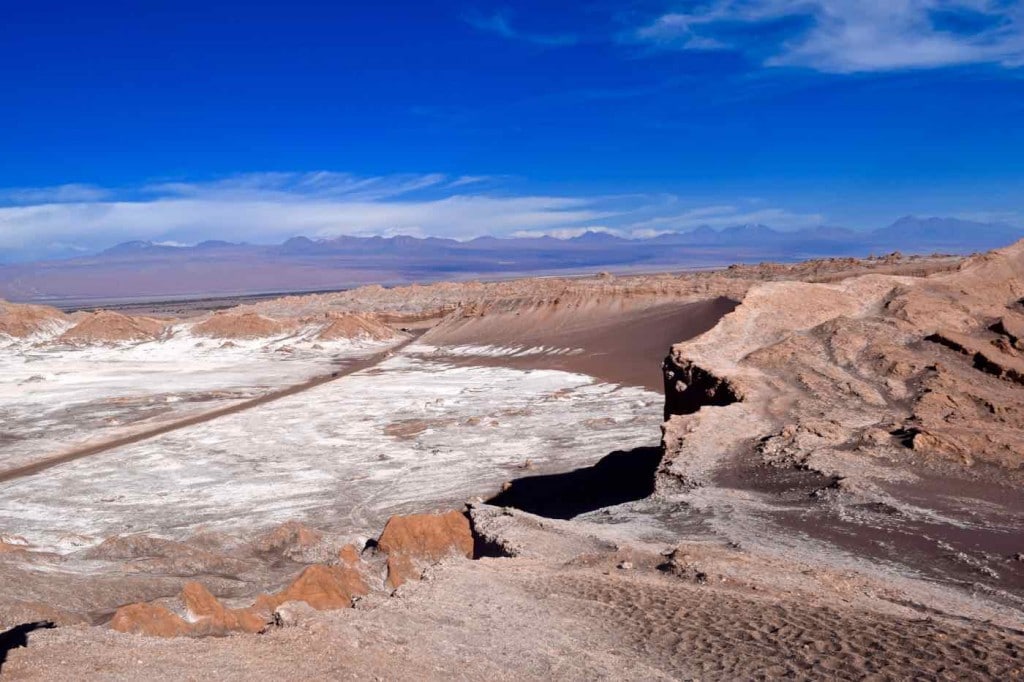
pixel 622 476
pixel 17 637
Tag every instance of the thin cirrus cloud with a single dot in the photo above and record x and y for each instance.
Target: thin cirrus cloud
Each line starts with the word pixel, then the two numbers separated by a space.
pixel 722 216
pixel 848 36
pixel 500 24
pixel 271 207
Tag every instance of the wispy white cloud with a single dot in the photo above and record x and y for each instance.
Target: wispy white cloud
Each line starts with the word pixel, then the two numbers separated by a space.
pixel 846 36
pixel 720 216
pixel 321 184
pixel 56 194
pixel 271 207
pixel 567 232
pixel 500 24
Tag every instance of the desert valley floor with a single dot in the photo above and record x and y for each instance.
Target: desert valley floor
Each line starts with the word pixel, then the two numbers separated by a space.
pixel 804 471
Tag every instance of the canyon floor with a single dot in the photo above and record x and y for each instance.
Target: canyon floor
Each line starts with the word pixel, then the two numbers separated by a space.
pixel 806 471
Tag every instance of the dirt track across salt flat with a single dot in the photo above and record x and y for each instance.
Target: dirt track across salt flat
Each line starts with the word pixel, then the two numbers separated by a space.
pixel 80 453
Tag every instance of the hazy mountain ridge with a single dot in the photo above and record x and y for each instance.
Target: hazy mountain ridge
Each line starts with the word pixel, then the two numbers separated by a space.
pixel 146 269
pixel 909 233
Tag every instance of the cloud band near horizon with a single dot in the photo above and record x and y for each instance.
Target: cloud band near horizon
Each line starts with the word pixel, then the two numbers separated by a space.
pixel 271 207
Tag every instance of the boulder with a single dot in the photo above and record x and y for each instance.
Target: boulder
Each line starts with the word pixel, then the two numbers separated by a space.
pixel 417 539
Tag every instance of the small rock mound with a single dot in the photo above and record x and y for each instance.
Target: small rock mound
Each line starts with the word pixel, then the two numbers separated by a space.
pixel 412 540
pixel 291 539
pixel 229 325
pixel 21 321
pixel 355 326
pixel 149 619
pixel 211 617
pixel 322 587
pixel 158 555
pixel 106 326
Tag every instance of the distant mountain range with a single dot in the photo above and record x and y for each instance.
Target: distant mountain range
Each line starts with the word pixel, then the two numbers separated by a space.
pixel 140 269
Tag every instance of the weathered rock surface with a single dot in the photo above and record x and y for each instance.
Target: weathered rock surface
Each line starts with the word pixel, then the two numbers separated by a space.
pixel 152 620
pixel 209 616
pixel 236 325
pixel 354 326
pixel 418 539
pixel 107 326
pixel 323 587
pixel 291 539
pixel 21 321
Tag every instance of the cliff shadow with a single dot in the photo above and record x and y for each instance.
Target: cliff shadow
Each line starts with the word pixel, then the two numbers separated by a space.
pixel 622 476
pixel 17 637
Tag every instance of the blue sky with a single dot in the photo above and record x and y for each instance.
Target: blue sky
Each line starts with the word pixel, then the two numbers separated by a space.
pixel 180 121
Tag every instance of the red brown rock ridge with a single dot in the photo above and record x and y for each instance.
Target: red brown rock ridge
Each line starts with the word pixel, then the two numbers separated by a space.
pixel 20 321
pixel 320 586
pixel 420 302
pixel 884 367
pixel 410 543
pixel 240 325
pixel 355 326
pixel 106 326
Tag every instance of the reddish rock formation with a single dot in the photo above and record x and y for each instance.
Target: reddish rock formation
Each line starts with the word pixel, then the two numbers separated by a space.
pixel 291 539
pixel 106 326
pixel 211 617
pixel 232 325
pixel 349 555
pixel 20 321
pixel 150 619
pixel 324 587
pixel 354 326
pixel 422 538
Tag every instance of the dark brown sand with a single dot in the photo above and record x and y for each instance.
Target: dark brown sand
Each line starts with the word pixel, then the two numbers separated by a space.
pixel 619 344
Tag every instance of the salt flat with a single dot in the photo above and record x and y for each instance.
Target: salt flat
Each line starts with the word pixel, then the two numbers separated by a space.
pixel 53 397
pixel 408 434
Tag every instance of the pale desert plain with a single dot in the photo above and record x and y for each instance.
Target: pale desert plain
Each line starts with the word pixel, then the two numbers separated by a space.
pixel 800 471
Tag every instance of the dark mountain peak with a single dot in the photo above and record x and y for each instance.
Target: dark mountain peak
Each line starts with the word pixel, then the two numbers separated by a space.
pixel 215 244
pixel 750 230
pixel 133 246
pixel 299 245
pixel 593 237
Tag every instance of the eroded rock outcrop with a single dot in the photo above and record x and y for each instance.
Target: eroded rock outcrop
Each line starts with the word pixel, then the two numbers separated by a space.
pixel 20 321
pixel 689 387
pixel 408 545
pixel 152 620
pixel 106 326
pixel 418 539
pixel 354 326
pixel 855 355
pixel 240 325
pixel 291 539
